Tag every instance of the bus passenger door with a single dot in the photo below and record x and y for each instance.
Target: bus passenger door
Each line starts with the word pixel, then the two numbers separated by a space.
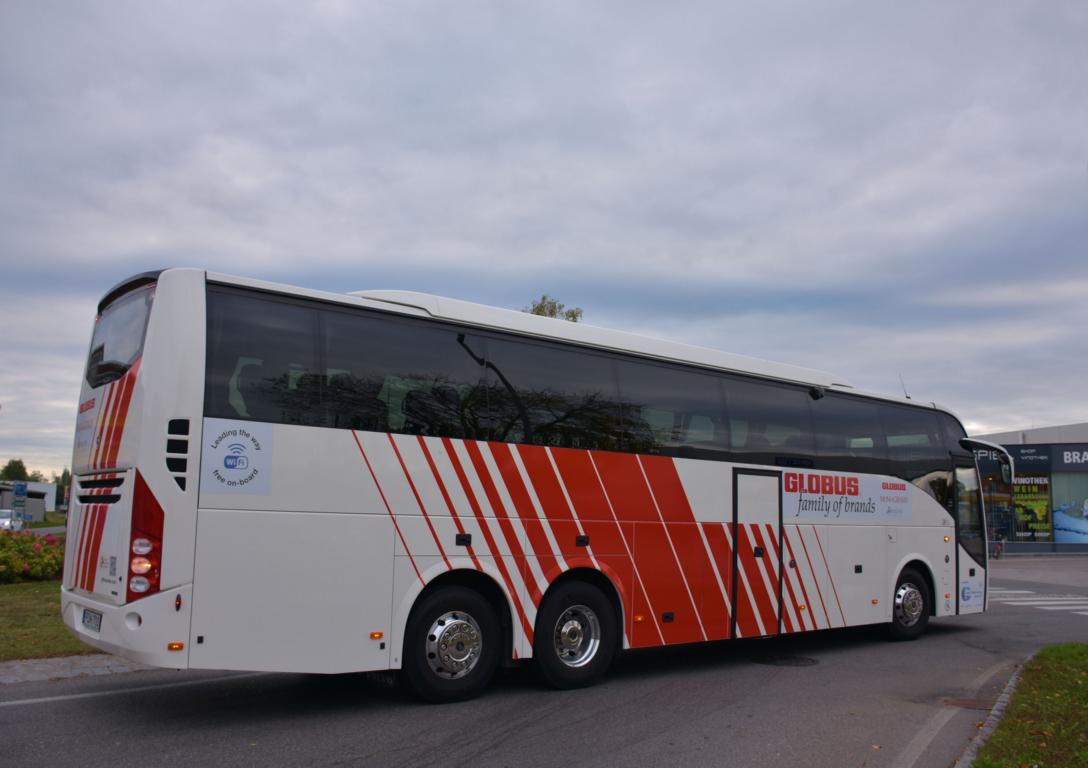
pixel 757 523
pixel 970 542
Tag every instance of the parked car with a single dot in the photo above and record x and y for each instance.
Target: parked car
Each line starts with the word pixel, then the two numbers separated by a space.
pixel 6 520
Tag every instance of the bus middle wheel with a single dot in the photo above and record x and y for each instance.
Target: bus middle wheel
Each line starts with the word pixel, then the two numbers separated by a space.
pixel 575 637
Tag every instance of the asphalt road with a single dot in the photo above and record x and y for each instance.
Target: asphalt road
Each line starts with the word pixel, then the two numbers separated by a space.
pixel 843 698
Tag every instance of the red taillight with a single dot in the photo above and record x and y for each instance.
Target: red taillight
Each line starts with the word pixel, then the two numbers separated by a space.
pixel 145 543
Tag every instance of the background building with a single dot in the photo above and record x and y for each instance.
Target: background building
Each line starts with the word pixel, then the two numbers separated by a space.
pixel 1046 507
pixel 40 497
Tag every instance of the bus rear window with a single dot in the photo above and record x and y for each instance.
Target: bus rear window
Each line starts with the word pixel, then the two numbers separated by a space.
pixel 119 337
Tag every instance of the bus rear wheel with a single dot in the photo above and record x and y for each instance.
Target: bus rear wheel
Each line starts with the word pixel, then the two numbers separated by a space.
pixel 911 606
pixel 575 638
pixel 451 645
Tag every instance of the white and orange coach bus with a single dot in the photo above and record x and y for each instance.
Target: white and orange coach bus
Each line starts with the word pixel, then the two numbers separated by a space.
pixel 277 479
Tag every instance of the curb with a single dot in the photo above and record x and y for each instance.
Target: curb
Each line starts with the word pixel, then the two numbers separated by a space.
pixel 57 667
pixel 998 711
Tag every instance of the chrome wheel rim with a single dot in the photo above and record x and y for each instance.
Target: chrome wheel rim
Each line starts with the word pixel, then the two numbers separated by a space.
pixel 454 644
pixel 577 636
pixel 908 604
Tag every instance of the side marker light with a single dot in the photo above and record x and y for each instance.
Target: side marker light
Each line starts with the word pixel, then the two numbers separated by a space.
pixel 875 601
pixel 175 646
pixel 377 635
pixel 947 539
pixel 639 618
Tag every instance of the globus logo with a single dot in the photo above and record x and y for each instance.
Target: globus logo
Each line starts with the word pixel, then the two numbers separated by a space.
pixel 827 485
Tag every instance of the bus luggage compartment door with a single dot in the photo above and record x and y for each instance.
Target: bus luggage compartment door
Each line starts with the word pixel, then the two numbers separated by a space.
pixel 291 592
pixel 757 516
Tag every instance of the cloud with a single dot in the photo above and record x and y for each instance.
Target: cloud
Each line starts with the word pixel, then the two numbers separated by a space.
pixel 46 337
pixel 899 187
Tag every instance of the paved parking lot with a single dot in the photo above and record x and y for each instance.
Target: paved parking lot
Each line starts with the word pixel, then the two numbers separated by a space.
pixel 842 698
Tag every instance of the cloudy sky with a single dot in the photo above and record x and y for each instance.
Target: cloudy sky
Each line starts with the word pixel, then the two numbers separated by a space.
pixel 877 189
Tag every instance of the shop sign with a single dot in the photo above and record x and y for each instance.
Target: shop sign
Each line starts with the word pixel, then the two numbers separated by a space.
pixel 1030 458
pixel 1070 457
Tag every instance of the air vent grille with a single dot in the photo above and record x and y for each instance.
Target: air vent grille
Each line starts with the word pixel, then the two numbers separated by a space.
pixel 111 482
pixel 177 450
pixel 99 498
pixel 98 490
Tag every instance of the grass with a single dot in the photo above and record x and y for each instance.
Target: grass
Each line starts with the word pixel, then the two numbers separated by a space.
pixel 1046 724
pixel 52 520
pixel 30 623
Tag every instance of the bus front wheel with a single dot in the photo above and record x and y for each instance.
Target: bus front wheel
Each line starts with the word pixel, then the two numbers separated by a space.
pixel 451 645
pixel 575 637
pixel 911 605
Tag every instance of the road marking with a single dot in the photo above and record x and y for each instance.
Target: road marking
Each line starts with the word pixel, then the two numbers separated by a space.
pixel 1071 603
pixel 928 732
pixel 118 692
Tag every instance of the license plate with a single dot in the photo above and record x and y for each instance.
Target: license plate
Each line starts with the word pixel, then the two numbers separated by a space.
pixel 92 620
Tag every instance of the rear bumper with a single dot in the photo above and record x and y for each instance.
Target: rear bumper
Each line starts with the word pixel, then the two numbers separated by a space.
pixel 139 631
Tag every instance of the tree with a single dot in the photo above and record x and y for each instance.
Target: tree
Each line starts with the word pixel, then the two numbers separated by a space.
pixel 62 481
pixel 550 307
pixel 15 469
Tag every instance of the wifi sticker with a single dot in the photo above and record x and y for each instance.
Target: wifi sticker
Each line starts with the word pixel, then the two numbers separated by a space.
pixel 236 457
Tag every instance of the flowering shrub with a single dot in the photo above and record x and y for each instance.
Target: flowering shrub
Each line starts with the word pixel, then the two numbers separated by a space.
pixel 26 557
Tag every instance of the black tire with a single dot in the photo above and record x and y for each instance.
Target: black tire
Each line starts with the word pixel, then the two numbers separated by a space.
pixel 575 638
pixel 911 606
pixel 463 666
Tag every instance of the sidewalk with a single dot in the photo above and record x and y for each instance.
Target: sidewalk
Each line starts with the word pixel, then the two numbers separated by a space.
pixel 1059 570
pixel 33 670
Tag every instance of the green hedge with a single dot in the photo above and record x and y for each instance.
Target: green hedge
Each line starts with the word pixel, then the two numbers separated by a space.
pixel 26 557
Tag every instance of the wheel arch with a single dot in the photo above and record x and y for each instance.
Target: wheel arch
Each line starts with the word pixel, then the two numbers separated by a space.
pixel 922 566
pixel 602 582
pixel 483 584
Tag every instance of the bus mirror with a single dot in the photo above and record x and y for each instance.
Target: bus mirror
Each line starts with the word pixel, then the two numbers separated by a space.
pixel 1006 473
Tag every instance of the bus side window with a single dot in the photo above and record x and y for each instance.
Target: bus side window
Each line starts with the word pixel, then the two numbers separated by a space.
pixel 672 411
pixel 245 370
pixel 916 449
pixel 262 361
pixel 432 409
pixel 952 432
pixel 352 402
pixel 849 435
pixel 403 376
pixel 772 423
pixel 545 394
